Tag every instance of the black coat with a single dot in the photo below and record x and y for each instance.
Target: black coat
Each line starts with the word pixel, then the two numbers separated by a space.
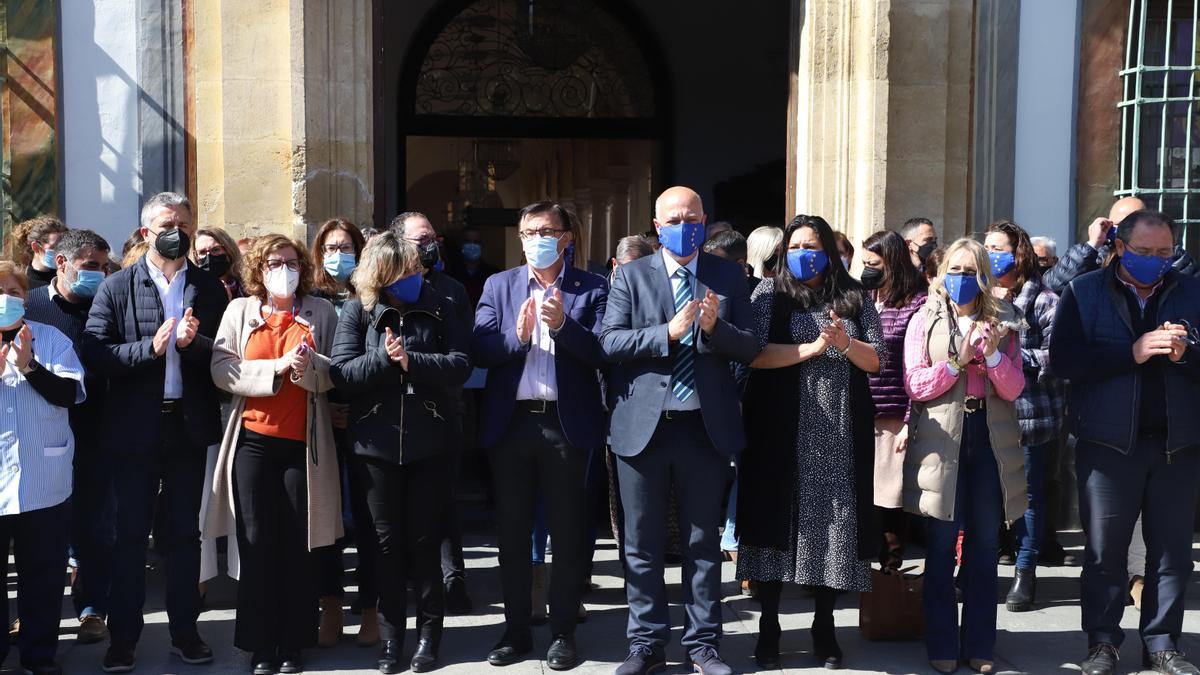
pixel 397 416
pixel 125 315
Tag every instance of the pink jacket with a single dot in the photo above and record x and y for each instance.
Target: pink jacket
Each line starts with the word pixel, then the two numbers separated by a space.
pixel 925 381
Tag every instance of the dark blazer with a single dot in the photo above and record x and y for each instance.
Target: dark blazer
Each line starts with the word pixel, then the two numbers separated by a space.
pixel 641 304
pixel 124 317
pixel 577 356
pixel 401 416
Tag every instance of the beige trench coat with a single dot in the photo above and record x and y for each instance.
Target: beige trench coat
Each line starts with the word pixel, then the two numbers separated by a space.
pixel 257 378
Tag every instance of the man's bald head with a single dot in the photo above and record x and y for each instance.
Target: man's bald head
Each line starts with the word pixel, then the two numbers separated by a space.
pixel 1124 207
pixel 678 204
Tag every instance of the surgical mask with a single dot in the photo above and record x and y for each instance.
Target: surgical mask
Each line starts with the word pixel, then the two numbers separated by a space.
pixel 1003 262
pixel 48 258
pixel 1146 269
pixel 172 244
pixel 807 264
pixel 86 283
pixel 282 282
pixel 540 252
pixel 430 255
pixel 407 289
pixel 924 251
pixel 872 278
pixel 962 288
pixel 12 310
pixel 681 239
pixel 216 264
pixel 340 265
pixel 472 251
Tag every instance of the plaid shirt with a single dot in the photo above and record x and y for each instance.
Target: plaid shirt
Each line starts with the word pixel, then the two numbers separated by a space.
pixel 1040 406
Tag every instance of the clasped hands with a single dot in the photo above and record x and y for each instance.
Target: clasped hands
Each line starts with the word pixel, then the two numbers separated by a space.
pixel 703 312
pixel 1169 340
pixel 551 314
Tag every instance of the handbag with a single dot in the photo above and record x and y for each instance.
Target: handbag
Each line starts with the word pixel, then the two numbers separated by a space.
pixel 893 609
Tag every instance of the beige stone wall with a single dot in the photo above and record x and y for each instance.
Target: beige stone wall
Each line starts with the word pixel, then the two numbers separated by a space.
pixel 281 113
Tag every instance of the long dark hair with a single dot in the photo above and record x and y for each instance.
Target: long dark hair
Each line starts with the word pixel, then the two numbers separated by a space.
pixel 322 280
pixel 1026 258
pixel 837 288
pixel 902 281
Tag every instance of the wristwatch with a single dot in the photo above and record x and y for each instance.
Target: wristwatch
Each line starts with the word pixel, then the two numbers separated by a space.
pixel 29 367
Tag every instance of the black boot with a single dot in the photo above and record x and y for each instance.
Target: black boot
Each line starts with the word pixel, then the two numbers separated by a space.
pixel 766 652
pixel 1023 592
pixel 426 655
pixel 389 656
pixel 825 646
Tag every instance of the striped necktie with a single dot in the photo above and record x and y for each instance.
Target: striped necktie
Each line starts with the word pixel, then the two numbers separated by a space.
pixel 683 374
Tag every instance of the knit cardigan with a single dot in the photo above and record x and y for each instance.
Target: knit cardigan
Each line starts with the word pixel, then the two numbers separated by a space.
pixel 887 386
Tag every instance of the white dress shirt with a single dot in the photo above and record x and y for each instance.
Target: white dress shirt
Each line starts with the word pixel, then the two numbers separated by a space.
pixel 538 380
pixel 171 295
pixel 672 265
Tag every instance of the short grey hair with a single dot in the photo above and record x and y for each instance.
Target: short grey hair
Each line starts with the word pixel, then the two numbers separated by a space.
pixel 631 248
pixel 1046 243
pixel 163 199
pixel 75 242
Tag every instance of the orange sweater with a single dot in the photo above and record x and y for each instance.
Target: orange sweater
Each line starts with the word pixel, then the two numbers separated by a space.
pixel 284 415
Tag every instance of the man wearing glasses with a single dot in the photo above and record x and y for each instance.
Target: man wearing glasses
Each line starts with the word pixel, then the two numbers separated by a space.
pixel 537 331
pixel 153 324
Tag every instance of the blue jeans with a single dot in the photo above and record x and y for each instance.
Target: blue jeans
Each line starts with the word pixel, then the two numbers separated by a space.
pixel 729 540
pixel 978 512
pixel 541 533
pixel 1029 529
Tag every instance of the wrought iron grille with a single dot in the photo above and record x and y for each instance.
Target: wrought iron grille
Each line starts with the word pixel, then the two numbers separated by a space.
pixel 1159 123
pixel 535 58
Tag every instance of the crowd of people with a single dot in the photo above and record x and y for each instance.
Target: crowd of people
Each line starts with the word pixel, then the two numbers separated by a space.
pixel 279 394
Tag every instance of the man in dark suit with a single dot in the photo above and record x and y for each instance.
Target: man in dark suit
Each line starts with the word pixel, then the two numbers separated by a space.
pixel 154 324
pixel 674 323
pixel 537 331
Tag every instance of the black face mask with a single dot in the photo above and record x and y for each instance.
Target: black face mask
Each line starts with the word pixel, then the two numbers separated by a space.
pixel 172 244
pixel 924 251
pixel 429 255
pixel 872 278
pixel 216 264
pixel 770 263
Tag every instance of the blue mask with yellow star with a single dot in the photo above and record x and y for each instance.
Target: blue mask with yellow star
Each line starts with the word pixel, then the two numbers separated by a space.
pixel 806 264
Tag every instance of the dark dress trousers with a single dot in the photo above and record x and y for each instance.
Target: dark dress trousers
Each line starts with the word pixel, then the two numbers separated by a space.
pixel 691 451
pixel 150 444
pixel 541 448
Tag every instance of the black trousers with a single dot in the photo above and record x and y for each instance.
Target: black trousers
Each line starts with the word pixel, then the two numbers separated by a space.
pixel 406 503
pixel 93 530
pixel 277 595
pixel 453 565
pixel 179 467
pixel 331 568
pixel 39 539
pixel 534 458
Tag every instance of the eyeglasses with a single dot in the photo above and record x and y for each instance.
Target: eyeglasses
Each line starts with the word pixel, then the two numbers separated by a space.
pixel 554 232
pixel 422 241
pixel 213 250
pixel 275 263
pixel 347 247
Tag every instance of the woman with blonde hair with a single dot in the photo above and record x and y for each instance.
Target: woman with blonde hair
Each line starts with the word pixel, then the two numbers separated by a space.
pixel 964 467
pixel 277 468
pixel 398 359
pixel 217 253
pixel 762 250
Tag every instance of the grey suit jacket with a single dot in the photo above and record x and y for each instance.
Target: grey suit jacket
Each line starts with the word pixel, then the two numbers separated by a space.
pixel 635 342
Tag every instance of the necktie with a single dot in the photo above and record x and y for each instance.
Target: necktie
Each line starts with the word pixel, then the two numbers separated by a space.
pixel 683 374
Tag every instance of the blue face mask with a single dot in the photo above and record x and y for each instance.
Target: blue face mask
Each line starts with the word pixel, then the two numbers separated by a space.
pixel 1002 263
pixel 806 264
pixel 86 283
pixel 962 288
pixel 681 239
pixel 48 259
pixel 406 290
pixel 540 252
pixel 1146 269
pixel 12 310
pixel 340 265
pixel 472 251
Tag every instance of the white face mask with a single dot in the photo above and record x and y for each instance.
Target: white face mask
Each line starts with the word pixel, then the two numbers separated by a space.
pixel 282 283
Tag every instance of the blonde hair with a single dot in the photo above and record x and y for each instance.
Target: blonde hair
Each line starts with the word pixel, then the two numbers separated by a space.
pixel 134 253
pixel 386 258
pixel 988 308
pixel 762 243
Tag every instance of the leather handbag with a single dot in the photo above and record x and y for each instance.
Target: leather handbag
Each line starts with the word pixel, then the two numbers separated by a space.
pixel 893 609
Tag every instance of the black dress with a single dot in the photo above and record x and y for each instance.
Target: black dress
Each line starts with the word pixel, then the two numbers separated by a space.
pixel 808 462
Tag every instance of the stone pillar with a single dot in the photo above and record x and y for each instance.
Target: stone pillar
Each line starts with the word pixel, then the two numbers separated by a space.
pixel 281 113
pixel 879 113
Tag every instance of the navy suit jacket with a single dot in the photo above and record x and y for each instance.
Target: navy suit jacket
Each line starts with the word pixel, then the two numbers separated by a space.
pixel 577 355
pixel 635 341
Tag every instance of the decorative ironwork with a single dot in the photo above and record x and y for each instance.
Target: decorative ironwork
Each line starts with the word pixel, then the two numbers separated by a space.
pixel 535 58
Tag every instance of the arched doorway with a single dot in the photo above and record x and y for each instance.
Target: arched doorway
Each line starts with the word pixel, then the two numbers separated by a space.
pixel 503 102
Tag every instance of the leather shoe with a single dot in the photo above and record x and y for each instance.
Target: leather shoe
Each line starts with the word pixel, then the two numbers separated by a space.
pixel 290 661
pixel 1023 592
pixel 118 659
pixel 425 657
pixel 562 654
pixel 1172 662
pixel 944 665
pixel 91 630
pixel 642 660
pixel 1101 660
pixel 192 650
pixel 263 662
pixel 507 653
pixel 389 657
pixel 706 661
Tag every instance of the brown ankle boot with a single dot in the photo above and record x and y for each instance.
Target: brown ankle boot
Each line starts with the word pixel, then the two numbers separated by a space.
pixel 330 630
pixel 368 628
